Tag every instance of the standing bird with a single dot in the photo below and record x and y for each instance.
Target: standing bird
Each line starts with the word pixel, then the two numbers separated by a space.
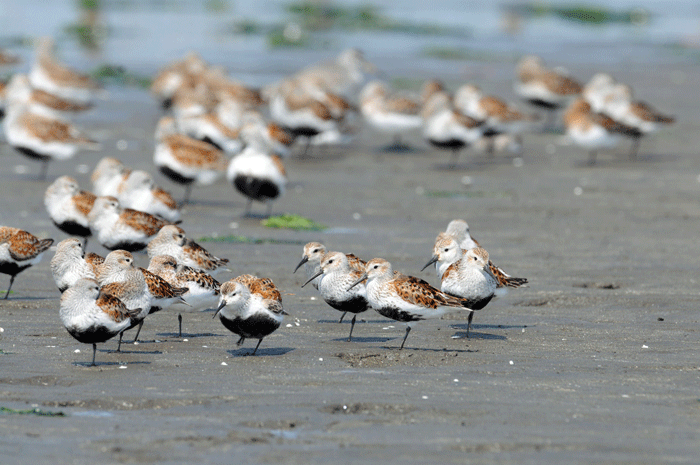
pixel 18 251
pixel 68 264
pixel 186 161
pixel 396 114
pixel 549 89
pixel 464 273
pixel 311 260
pixel 258 176
pixel 140 192
pixel 122 228
pixel 90 315
pixel 594 131
pixel 203 290
pixel 107 176
pixel 405 298
pixel 68 207
pixel 250 307
pixel 336 275
pixel 171 240
pixel 118 276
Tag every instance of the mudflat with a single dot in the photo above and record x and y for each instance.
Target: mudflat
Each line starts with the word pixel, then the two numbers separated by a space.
pixel 595 362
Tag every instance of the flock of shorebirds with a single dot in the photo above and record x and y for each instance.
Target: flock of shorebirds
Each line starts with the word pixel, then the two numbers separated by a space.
pixel 216 126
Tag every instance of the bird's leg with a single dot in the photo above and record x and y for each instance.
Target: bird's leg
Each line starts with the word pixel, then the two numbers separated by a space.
pixel 138 331
pixel 44 170
pixel 256 347
pixel 248 207
pixel 342 316
pixel 12 280
pixel 592 157
pixel 408 330
pixel 94 350
pixel 454 158
pixel 269 208
pixel 240 341
pixel 119 346
pixel 188 191
pixel 635 148
pixel 469 322
pixel 352 326
pixel 179 321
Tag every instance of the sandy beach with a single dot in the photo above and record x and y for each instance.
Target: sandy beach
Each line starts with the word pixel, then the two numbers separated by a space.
pixel 594 362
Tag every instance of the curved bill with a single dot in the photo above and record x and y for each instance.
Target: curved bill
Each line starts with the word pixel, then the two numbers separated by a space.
pixel 433 259
pixel 303 260
pixel 222 304
pixel 362 278
pixel 312 278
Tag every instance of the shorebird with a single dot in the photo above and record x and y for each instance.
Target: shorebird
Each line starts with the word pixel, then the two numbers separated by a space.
pixel 250 307
pixel 107 176
pixel 184 73
pixel 393 113
pixel 549 89
pixel 621 107
pixel 311 260
pixel 172 240
pixel 118 276
pixel 19 250
pixel 50 75
pixel 446 128
pixel 40 102
pixel 69 206
pixel 594 131
pixel 464 273
pixel 258 176
pixel 335 276
pixel 405 298
pixel 185 160
pixel 140 192
pixel 497 115
pixel 267 136
pixel 597 89
pixel 91 315
pixel 459 230
pixel 68 264
pixel 203 290
pixel 122 228
pixel 44 139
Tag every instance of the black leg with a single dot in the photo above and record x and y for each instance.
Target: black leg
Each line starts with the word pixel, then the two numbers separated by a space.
pixel 44 169
pixel 408 330
pixel 256 347
pixel 306 147
pixel 352 326
pixel 138 331
pixel 119 346
pixel 179 321
pixel 342 316
pixel 85 243
pixel 188 191
pixel 469 322
pixel 240 341
pixel 635 148
pixel 454 158
pixel 12 280
pixel 592 157
pixel 248 207
pixel 94 350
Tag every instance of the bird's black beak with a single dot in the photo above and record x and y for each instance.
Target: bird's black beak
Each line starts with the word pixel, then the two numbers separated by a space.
pixel 433 259
pixel 312 278
pixel 362 278
pixel 222 304
pixel 303 260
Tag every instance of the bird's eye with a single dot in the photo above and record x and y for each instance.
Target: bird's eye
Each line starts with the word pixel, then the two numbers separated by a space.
pixel 376 266
pixel 315 250
pixel 447 250
pixel 330 261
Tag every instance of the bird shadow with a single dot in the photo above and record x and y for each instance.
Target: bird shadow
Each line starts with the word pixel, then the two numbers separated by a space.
pixel 263 352
pixel 398 148
pixel 206 203
pixel 187 335
pixel 140 352
pixel 107 364
pixel 360 339
pixel 346 320
pixel 428 349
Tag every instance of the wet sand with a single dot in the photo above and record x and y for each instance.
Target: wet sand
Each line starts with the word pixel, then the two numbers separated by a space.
pixel 596 361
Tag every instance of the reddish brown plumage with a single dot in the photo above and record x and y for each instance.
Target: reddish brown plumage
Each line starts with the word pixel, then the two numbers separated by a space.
pixel 142 221
pixel 51 130
pixel 164 197
pixel 418 292
pixel 57 103
pixel 84 201
pixel 23 245
pixel 193 152
pixel 279 134
pixel 402 105
pixel 159 287
pixel 264 287
pixel 645 112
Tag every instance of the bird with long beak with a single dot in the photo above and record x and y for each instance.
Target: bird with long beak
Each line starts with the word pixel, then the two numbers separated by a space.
pixel 464 274
pixel 335 275
pixel 250 307
pixel 311 260
pixel 405 298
